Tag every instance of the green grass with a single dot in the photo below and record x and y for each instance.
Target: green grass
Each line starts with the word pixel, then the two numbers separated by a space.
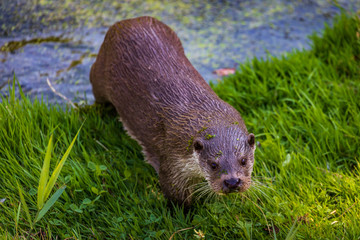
pixel 304 109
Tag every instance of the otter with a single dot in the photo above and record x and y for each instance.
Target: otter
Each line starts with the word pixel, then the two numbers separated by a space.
pixel 188 134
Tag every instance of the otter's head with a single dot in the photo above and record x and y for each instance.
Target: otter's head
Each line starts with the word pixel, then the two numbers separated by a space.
pixel 226 158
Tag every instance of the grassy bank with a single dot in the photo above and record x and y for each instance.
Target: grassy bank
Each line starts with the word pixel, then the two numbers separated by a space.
pixel 304 109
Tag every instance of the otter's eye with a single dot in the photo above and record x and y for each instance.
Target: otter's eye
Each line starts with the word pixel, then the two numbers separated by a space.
pixel 214 165
pixel 243 161
pixel 198 146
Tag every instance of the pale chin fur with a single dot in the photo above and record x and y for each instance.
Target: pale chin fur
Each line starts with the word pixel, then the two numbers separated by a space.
pixel 190 167
pixel 189 170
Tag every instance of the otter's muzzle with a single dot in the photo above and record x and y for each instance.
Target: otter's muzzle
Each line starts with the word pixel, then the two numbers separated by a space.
pixel 231 185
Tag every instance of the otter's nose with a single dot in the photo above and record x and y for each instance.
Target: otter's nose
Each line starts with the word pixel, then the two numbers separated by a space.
pixel 232 184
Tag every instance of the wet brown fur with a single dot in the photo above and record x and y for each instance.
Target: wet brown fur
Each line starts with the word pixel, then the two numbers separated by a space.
pixel 166 105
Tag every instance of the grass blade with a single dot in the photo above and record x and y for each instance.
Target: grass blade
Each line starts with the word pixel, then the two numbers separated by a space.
pixel 292 233
pixel 26 209
pixel 17 217
pixel 44 176
pixel 58 168
pixel 22 95
pixel 49 203
pixel 12 91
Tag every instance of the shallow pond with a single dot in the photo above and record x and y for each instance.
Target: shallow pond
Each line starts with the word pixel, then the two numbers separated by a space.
pixel 59 39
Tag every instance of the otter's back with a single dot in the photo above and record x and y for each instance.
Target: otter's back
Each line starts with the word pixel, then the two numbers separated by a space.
pixel 144 58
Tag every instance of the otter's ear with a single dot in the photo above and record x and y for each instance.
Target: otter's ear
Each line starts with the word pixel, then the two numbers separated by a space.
pixel 198 146
pixel 251 139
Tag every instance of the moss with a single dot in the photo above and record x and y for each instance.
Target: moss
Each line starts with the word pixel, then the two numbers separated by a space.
pixel 224 172
pixel 209 136
pixel 202 129
pixel 190 142
pixel 12 46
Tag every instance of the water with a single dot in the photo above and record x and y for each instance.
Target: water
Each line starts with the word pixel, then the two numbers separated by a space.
pixel 59 40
